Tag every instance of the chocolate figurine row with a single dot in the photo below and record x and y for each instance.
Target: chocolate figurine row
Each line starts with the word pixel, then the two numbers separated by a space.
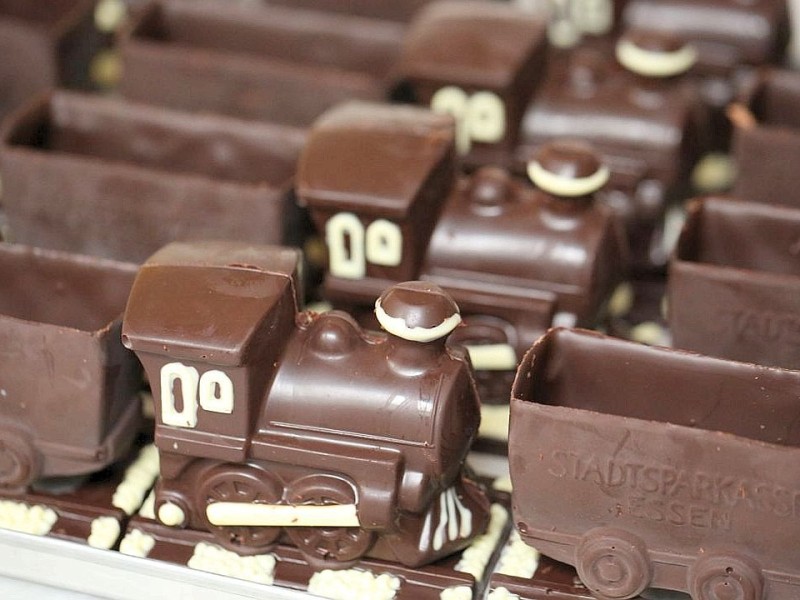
pixel 276 426
pixel 310 450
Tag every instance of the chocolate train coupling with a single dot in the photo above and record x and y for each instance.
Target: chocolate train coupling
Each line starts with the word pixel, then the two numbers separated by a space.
pixel 269 421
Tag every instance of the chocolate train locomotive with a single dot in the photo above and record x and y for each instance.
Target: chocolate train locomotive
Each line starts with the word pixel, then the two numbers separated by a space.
pixel 639 111
pixel 380 185
pixel 266 418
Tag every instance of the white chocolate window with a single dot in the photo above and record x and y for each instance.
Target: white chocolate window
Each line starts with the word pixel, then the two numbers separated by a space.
pixel 384 243
pixel 188 378
pixel 216 392
pixel 350 247
pixel 480 117
pixel 344 235
pixel 593 16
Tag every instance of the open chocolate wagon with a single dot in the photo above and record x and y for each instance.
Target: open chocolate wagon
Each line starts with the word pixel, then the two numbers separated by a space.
pixel 649 467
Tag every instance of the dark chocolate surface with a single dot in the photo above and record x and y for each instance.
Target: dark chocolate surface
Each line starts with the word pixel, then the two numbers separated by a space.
pixel 131 178
pixel 734 282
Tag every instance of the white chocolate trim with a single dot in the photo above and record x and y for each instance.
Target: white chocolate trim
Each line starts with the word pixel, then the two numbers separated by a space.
pixel 492 357
pixel 352 266
pixel 189 380
pixel 214 559
pixel 397 326
pixel 494 422
pixel 209 400
pixel 486 117
pixel 384 245
pixel 350 584
pixel 104 533
pixel 655 64
pixel 567 186
pixel 137 543
pixel 171 514
pixel 235 514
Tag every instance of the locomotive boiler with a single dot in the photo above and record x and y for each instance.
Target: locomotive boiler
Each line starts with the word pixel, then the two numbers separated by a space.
pixel 271 421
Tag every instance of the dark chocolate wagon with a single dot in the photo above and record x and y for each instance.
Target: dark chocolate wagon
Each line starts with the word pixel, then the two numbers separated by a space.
pixel 649 467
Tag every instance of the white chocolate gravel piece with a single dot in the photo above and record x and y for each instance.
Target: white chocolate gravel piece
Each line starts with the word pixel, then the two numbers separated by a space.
pixel 137 481
pixel 458 592
pixel 214 559
pixel 501 593
pixel 105 533
pixel 136 543
pixel 518 559
pixel 353 584
pixel 18 516
pixel 475 558
pixel 494 422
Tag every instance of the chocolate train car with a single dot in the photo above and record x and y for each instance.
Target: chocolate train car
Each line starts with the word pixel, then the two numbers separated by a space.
pixel 681 470
pixel 639 111
pixel 734 282
pixel 267 420
pixel 380 185
pixel 766 138
pixel 68 389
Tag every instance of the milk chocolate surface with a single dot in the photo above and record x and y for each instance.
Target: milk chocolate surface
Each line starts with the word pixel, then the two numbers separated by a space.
pixel 286 409
pixel 734 282
pixel 68 384
pixel 120 180
pixel 255 60
pixel 767 148
pixel 659 452
pixel 44 44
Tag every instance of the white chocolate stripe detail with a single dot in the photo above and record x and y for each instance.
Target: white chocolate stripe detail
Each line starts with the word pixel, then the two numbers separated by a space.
pixel 233 514
pixel 655 64
pixel 492 357
pixel 560 185
pixel 397 326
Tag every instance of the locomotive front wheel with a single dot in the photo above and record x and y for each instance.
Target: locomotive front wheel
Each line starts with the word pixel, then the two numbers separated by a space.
pixel 613 564
pixel 236 484
pixel 323 546
pixel 19 461
pixel 720 577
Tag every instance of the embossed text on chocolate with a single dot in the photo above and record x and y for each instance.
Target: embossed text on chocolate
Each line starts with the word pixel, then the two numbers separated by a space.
pixel 765 326
pixel 678 496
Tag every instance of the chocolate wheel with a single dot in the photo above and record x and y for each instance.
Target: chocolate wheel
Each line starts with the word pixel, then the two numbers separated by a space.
pixel 720 577
pixel 325 545
pixel 228 483
pixel 613 564
pixel 19 461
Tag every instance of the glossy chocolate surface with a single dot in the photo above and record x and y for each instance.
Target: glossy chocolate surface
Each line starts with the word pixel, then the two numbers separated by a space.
pixel 734 284
pixel 659 452
pixel 303 409
pixel 130 178
pixel 44 44
pixel 255 60
pixel 489 58
pixel 767 147
pixel 69 405
pixel 511 256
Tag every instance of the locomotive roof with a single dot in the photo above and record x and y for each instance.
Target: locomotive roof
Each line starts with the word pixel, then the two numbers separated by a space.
pixel 373 158
pixel 208 300
pixel 484 43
